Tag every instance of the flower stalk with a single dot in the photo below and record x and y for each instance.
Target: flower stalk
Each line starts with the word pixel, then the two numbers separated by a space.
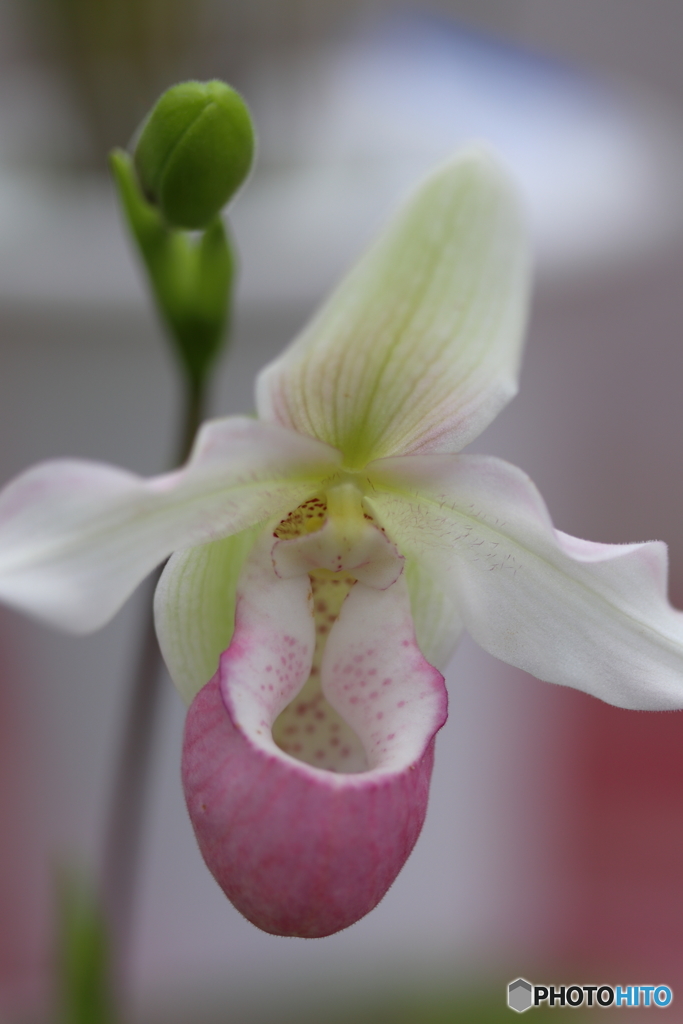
pixel 123 831
pixel 191 280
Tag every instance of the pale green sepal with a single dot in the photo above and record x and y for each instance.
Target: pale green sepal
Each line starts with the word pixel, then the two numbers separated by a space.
pixel 419 348
pixel 438 626
pixel 194 608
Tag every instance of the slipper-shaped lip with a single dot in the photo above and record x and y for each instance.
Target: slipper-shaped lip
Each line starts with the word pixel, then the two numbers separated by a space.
pixel 300 850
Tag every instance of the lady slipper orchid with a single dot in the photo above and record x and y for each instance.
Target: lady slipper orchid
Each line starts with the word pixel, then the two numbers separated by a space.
pixel 325 557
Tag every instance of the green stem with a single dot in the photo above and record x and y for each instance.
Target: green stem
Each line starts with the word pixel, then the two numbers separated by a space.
pixel 123 835
pixel 191 281
pixel 194 413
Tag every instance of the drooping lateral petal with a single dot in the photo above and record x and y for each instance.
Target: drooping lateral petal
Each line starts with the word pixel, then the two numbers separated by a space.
pixel 419 347
pixel 77 537
pixel 297 849
pixel 592 616
pixel 194 608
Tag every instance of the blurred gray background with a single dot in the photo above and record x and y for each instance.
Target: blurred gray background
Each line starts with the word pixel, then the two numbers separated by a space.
pixel 520 867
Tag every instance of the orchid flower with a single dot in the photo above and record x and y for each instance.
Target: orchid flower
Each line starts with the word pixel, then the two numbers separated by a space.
pixel 326 556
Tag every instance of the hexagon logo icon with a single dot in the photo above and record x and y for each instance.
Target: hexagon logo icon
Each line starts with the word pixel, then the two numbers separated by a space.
pixel 519 995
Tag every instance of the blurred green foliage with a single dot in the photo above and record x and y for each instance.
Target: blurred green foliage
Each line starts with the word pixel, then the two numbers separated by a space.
pixel 436 1009
pixel 82 957
pixel 396 1005
pixel 430 1009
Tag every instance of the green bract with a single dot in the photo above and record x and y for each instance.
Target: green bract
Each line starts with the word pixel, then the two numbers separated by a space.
pixel 194 152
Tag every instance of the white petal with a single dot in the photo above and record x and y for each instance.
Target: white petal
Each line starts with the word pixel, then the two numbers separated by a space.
pixel 419 348
pixel 77 537
pixel 194 608
pixel 592 616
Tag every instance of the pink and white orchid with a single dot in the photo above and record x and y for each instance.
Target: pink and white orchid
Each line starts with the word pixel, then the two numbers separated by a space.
pixel 325 558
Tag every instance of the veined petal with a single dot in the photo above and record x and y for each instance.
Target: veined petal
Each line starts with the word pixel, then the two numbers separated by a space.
pixel 194 608
pixel 592 616
pixel 300 850
pixel 419 348
pixel 77 537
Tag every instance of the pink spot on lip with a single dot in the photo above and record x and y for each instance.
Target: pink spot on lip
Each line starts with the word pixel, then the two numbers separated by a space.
pixel 380 714
pixel 386 682
pixel 269 668
pixel 401 704
pixel 374 695
pixel 354 700
pixel 391 735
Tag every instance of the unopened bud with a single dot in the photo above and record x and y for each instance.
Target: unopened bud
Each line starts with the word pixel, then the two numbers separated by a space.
pixel 194 151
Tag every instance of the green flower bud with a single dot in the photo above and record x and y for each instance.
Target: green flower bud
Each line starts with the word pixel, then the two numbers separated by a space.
pixel 194 151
